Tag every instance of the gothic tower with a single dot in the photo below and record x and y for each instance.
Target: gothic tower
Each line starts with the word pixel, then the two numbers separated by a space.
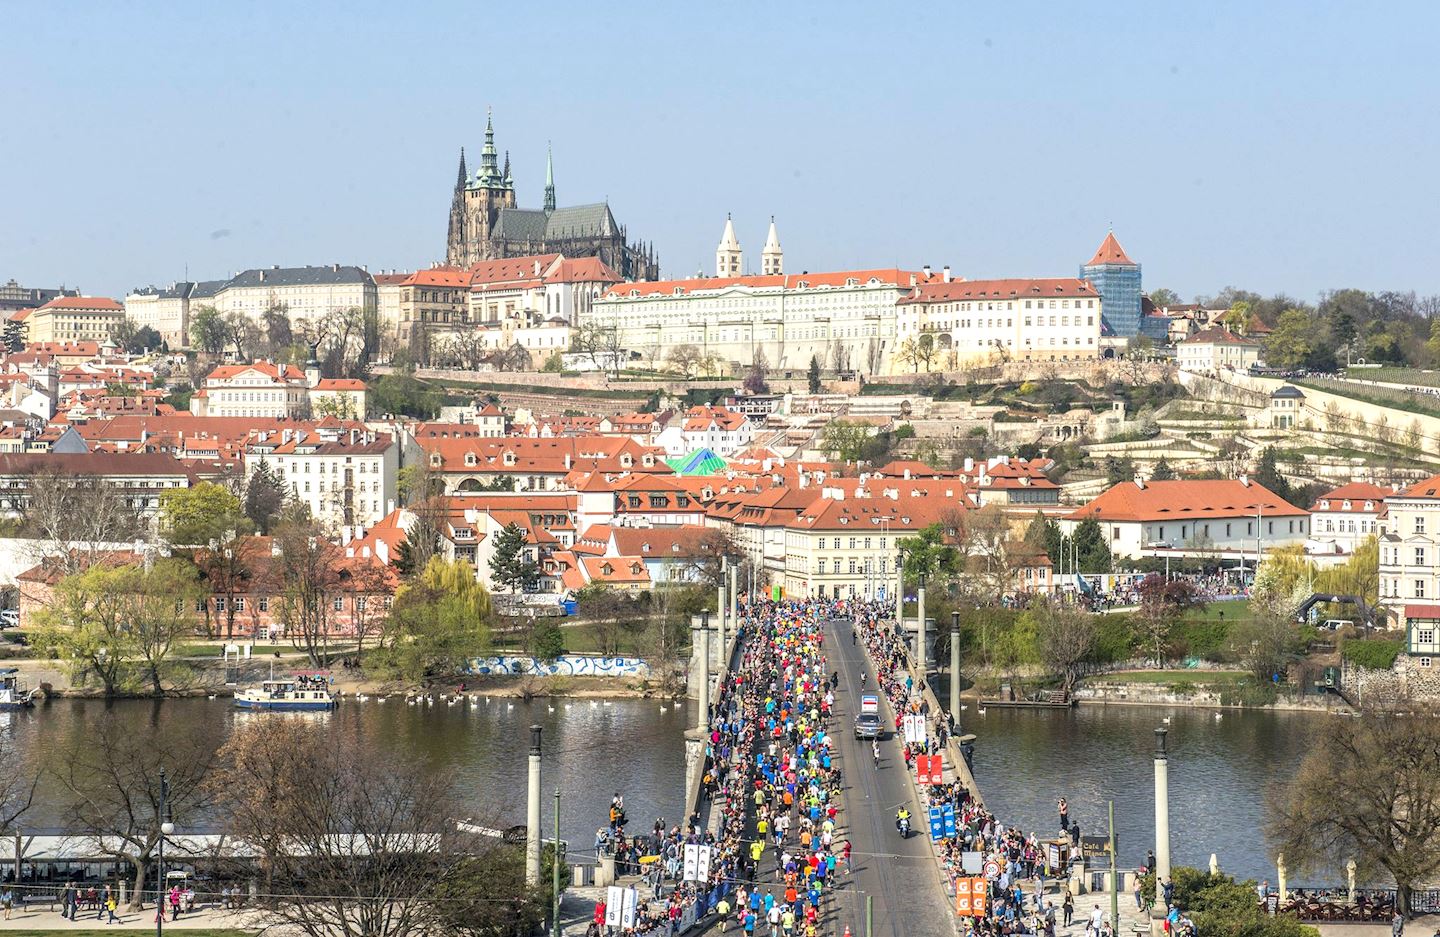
pixel 727 255
pixel 455 236
pixel 490 191
pixel 772 258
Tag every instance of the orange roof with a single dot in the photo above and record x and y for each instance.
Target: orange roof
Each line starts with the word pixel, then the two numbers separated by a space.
pixel 1217 335
pixel 93 303
pixel 621 569
pixel 277 372
pixel 582 270
pixel 1429 488
pixel 1185 499
pixel 340 383
pixel 1110 252
pixel 439 276
pixel 1054 287
pixel 1357 493
pixel 510 270
pixel 891 276
pixel 389 279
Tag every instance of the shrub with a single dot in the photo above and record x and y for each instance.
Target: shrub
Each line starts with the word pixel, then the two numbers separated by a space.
pixel 1374 653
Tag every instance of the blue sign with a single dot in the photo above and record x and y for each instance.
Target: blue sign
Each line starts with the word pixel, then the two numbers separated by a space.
pixel 937 824
pixel 949 813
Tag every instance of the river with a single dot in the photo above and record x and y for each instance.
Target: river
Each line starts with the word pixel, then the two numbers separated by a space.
pixel 590 751
pixel 1220 770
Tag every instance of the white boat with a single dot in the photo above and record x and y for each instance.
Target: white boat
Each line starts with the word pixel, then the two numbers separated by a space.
pixel 307 691
pixel 13 692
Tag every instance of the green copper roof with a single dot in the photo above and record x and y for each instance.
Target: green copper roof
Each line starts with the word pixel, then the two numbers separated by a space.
pixel 699 462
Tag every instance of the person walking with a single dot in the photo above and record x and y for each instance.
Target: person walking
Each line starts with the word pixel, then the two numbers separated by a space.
pixel 1397 925
pixel 110 905
pixel 1067 909
pixel 7 901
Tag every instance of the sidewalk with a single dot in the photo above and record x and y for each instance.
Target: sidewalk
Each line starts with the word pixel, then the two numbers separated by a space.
pixel 207 918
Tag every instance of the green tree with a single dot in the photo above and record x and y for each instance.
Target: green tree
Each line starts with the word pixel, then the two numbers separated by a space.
pixel 158 603
pixel 1219 905
pixel 1268 475
pixel 1118 470
pixel 547 640
pixel 208 330
pixel 928 554
pixel 86 627
pixel 509 566
pixel 1293 343
pixel 405 395
pixel 1044 534
pixel 438 622
pixel 845 438
pixel 265 497
pixel 812 376
pixel 199 514
pixel 1162 472
pixel 1164 297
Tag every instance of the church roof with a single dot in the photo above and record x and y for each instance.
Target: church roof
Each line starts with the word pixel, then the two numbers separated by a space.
pixel 1110 252
pixel 577 221
pixel 300 276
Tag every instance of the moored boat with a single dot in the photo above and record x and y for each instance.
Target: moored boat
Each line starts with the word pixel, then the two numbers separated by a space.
pixel 13 692
pixel 307 691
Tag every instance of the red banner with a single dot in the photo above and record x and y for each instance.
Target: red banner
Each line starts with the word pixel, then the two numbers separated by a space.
pixel 929 769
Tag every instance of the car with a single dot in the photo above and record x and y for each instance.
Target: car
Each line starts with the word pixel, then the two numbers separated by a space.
pixel 1335 624
pixel 867 726
pixel 9 618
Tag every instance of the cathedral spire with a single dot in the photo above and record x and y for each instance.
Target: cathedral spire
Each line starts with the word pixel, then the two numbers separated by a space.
pixel 549 178
pixel 463 176
pixel 509 183
pixel 489 171
pixel 727 254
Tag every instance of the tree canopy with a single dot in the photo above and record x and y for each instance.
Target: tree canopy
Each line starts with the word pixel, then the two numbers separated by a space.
pixel 199 514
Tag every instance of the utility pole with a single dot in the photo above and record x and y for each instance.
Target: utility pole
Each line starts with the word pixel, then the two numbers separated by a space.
pixel 869 916
pixel 557 856
pixel 532 813
pixel 722 604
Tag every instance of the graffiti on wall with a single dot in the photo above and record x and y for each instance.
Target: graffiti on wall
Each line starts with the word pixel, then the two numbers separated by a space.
pixel 568 665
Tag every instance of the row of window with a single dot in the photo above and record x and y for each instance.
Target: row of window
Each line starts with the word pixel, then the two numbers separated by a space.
pixel 262 603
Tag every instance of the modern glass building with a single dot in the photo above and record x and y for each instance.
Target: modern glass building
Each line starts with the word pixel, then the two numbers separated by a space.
pixel 1117 278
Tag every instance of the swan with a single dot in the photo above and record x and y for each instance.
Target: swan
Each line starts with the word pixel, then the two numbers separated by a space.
pixel 981 710
pixel 551 708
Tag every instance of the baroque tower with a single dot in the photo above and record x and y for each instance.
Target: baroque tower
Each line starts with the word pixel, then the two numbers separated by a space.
pixel 727 255
pixel 772 258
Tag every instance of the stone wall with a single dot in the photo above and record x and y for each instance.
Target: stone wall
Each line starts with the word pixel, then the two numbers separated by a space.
pixel 1408 679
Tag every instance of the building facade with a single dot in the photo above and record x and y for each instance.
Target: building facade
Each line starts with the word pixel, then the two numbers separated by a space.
pixel 74 319
pixel 991 321
pixel 164 309
pixel 308 293
pixel 1216 349
pixel 344 473
pixel 1345 517
pixel 485 224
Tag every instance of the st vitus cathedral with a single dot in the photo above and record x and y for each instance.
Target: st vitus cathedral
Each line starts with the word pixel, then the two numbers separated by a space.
pixel 486 225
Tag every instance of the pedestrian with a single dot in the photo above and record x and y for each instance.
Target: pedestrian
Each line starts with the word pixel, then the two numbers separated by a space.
pixel 1067 909
pixel 1097 917
pixel 110 905
pixel 1139 895
pixel 1064 809
pixel 7 901
pixel 100 905
pixel 1397 924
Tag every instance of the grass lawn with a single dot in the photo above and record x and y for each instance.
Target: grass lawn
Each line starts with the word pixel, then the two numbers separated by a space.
pixel 1174 676
pixel 1229 610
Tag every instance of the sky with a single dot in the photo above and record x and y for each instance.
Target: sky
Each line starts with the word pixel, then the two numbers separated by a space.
pixel 1274 146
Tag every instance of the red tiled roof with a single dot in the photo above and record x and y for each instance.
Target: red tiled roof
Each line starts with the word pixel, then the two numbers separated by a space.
pixel 1429 488
pixel 891 276
pixel 1052 287
pixel 1110 252
pixel 276 372
pixel 1427 612
pixel 582 270
pixel 439 276
pixel 1217 335
pixel 89 303
pixel 1185 499
pixel 340 383
pixel 1357 493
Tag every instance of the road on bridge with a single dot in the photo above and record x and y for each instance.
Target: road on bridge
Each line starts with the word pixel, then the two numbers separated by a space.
pixel 900 875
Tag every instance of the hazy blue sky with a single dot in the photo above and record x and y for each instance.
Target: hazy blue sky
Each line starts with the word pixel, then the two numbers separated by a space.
pixel 1276 146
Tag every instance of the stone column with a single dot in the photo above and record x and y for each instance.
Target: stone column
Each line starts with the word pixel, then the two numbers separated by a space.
pixel 532 813
pixel 921 653
pixel 955 667
pixel 734 600
pixel 900 591
pixel 1162 832
pixel 722 606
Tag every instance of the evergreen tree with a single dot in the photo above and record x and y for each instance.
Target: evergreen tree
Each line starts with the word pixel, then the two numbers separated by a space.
pixel 264 497
pixel 1092 552
pixel 1163 472
pixel 1118 470
pixel 1044 534
pixel 421 544
pixel 1268 474
pixel 813 375
pixel 508 566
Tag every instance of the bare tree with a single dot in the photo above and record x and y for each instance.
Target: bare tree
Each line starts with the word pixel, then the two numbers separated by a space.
pixel 361 845
pixel 685 359
pixel 309 579
pixel 1066 637
pixel 79 514
pixel 113 776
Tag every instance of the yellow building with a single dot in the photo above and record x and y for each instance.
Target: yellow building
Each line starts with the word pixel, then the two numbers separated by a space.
pixel 74 319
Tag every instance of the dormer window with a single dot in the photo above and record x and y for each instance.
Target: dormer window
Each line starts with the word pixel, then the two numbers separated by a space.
pixel 470 458
pixel 625 460
pixel 435 460
pixel 509 458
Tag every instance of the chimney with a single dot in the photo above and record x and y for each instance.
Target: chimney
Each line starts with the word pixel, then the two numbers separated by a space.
pixel 946 273
pixel 969 464
pixel 262 276
pixel 926 270
pixel 1245 480
pixel 335 268
pixel 1140 482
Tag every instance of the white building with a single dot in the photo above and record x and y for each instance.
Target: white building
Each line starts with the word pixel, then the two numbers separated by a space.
pixel 1343 518
pixel 269 390
pixel 985 321
pixel 722 431
pixel 307 293
pixel 1226 519
pixel 1410 563
pixel 1216 349
pixel 164 309
pixel 343 472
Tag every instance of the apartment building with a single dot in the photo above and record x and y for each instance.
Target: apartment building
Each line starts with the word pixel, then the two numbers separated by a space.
pixel 344 473
pixel 1343 518
pixel 990 321
pixel 74 319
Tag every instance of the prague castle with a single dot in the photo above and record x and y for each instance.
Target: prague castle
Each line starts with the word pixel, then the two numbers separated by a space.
pixel 485 223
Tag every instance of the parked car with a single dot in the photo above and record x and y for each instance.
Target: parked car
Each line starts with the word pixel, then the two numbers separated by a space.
pixel 1335 624
pixel 9 618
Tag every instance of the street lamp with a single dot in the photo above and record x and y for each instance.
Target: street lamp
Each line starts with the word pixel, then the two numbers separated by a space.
pixel 162 813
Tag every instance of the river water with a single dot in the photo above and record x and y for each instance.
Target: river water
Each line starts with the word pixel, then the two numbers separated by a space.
pixel 1220 770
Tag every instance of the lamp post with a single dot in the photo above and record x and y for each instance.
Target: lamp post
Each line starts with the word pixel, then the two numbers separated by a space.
pixel 1162 832
pixel 162 813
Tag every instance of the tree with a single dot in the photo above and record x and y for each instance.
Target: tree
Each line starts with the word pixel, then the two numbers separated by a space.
pixel 357 844
pixel 1268 475
pixel 309 572
pixel 510 567
pixel 1044 534
pixel 755 379
pixel 1162 604
pixel 1368 790
pixel 1162 472
pixel 1294 341
pixel 1220 905
pixel 987 558
pixel 845 438
pixel 927 554
pixel 1164 297
pixel 208 330
pixel 812 376
pixel 85 626
pixel 1266 643
pixel 601 344
pixel 275 322
pixel 265 497
pixel 1066 639
pixel 1118 470
pixel 439 622
pixel 686 359
pixel 113 777
pixel 80 512
pixel 1092 552
pixel 200 514
pixel 405 395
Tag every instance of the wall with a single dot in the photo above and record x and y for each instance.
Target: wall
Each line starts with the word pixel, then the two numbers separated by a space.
pixel 569 665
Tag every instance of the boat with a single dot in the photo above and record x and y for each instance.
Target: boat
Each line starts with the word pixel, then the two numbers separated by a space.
pixel 1043 699
pixel 306 691
pixel 13 693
